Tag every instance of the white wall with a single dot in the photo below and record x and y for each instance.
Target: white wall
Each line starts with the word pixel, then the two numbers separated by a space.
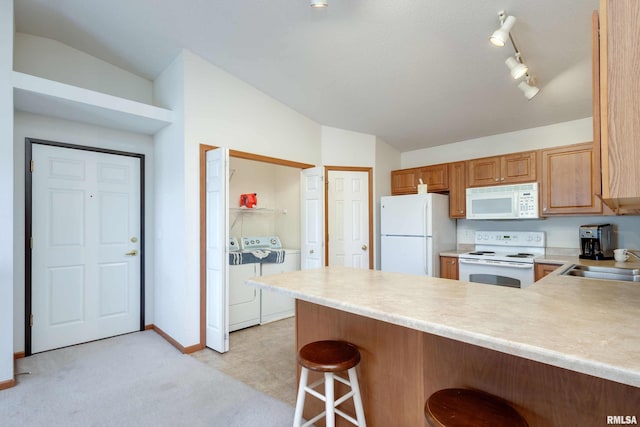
pixel 561 232
pixel 387 159
pixel 278 190
pixel 224 111
pixel 53 60
pixel 210 107
pixel 347 148
pixel 566 133
pixel 170 278
pixel 6 192
pixel 28 125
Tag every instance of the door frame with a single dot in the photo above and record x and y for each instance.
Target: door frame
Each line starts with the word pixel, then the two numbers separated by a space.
pixel 28 190
pixel 369 171
pixel 203 219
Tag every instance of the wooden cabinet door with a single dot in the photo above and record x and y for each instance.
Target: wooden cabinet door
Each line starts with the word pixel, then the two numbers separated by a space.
pixel 457 190
pixel 404 181
pixel 518 167
pixel 542 269
pixel 570 181
pixel 436 177
pixel 449 267
pixel 619 106
pixel 483 172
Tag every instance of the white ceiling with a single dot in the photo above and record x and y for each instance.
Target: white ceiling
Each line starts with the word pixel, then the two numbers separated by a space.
pixel 416 73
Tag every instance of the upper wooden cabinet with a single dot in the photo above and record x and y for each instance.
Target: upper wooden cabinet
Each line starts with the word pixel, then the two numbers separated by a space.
pixel 570 181
pixel 507 169
pixel 405 181
pixel 436 177
pixel 619 106
pixel 457 190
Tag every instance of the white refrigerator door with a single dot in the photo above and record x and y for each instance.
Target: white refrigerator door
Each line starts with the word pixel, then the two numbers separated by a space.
pixel 405 215
pixel 406 254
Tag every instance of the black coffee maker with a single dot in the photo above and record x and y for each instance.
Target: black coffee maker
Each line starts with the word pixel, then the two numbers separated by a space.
pixel 596 241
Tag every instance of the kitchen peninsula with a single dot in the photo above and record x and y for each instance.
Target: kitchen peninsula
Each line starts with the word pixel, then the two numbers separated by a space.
pixel 564 351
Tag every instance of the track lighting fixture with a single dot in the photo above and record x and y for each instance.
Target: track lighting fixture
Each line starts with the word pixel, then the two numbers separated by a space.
pixel 529 89
pixel 517 67
pixel 319 3
pixel 501 35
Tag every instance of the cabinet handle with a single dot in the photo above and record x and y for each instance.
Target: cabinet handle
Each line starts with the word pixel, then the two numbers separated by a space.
pixel 452 262
pixel 502 179
pixel 311 251
pixel 497 179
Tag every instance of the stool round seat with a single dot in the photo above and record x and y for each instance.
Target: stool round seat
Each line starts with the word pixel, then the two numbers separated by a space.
pixel 456 407
pixel 329 356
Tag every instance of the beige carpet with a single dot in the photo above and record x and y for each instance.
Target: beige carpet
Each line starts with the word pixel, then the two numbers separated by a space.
pixel 136 379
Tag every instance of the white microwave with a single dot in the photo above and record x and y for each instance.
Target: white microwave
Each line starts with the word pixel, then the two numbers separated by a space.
pixel 518 201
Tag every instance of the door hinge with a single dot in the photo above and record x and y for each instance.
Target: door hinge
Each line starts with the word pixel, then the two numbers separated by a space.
pixel 32 166
pixel 31 320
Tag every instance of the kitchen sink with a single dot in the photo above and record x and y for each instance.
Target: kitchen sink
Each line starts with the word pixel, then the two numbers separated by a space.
pixel 603 273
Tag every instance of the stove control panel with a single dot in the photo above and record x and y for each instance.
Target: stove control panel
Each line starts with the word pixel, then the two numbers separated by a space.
pixel 510 238
pixel 260 242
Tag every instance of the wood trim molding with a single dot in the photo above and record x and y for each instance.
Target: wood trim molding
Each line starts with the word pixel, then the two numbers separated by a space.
pixel 267 159
pixel 203 222
pixel 326 207
pixel 19 355
pixel 186 350
pixel 7 384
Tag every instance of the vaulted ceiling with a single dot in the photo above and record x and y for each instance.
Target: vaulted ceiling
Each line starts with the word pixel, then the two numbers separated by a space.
pixel 416 73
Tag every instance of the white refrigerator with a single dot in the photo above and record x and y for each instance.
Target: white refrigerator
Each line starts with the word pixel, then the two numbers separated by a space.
pixel 414 229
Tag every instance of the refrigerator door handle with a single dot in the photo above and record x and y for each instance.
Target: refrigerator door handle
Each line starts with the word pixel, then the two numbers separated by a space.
pixel 426 254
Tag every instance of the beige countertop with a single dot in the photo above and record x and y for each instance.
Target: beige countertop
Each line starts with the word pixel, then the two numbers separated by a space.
pixel 585 325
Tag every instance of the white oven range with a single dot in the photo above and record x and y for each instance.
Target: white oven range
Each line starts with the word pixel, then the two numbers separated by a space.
pixel 502 258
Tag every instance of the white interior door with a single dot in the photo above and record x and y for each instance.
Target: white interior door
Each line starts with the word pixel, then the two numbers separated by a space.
pixel 85 257
pixel 217 239
pixel 312 218
pixel 348 211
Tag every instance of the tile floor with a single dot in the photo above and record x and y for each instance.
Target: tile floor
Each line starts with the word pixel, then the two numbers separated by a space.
pixel 263 357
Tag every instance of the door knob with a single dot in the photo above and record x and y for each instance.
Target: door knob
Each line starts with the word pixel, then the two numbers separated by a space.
pixel 132 253
pixel 311 251
pixel 364 247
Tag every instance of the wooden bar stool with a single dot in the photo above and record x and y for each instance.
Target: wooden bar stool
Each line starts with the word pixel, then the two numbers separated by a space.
pixel 456 407
pixel 329 357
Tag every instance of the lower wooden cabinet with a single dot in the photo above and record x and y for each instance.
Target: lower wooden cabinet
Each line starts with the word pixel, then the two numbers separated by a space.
pixel 543 269
pixel 449 267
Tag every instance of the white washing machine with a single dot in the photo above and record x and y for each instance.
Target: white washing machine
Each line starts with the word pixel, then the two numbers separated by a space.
pixel 276 306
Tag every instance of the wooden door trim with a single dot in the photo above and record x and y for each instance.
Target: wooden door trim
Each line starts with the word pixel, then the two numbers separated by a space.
pixel 28 226
pixel 203 218
pixel 369 172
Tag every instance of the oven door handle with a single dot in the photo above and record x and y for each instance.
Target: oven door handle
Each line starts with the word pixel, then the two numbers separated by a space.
pixel 521 265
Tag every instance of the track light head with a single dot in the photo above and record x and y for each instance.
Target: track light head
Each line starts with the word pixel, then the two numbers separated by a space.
pixel 518 69
pixel 529 89
pixel 501 35
pixel 319 3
